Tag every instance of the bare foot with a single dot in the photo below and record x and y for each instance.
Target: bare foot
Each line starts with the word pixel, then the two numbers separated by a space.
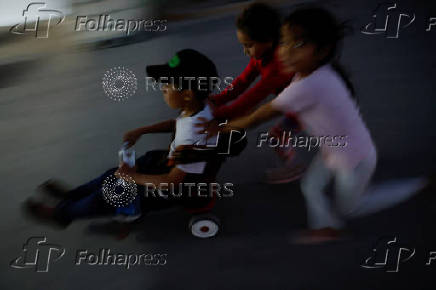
pixel 318 236
pixel 53 188
pixel 40 212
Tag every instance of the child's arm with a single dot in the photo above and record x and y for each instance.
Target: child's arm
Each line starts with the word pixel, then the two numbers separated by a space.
pixel 175 176
pixel 238 86
pixel 262 114
pixel 250 98
pixel 293 100
pixel 162 127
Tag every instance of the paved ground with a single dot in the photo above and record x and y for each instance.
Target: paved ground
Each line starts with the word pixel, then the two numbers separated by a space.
pixel 56 121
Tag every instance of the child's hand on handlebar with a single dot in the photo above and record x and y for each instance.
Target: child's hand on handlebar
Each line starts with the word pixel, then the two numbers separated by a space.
pixel 131 137
pixel 125 171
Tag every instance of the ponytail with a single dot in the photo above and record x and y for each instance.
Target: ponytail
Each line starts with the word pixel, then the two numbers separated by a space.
pixel 345 77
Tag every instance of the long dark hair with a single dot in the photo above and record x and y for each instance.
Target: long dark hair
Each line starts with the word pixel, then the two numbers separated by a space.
pixel 260 22
pixel 322 28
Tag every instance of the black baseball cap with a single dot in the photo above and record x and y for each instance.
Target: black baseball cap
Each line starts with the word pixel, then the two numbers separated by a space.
pixel 184 65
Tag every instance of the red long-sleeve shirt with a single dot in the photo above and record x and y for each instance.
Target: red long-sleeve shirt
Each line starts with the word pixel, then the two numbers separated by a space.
pixel 273 80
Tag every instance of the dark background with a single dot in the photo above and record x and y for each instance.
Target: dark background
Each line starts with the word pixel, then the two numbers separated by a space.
pixel 55 121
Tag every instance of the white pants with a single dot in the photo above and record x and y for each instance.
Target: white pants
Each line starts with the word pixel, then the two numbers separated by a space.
pixel 351 194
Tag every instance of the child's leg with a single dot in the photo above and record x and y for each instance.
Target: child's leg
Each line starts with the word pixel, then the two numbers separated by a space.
pixel 91 186
pixel 295 160
pixel 356 198
pixel 350 185
pixel 288 126
pixel 153 162
pixel 388 194
pixel 319 210
pixel 88 206
pixel 148 163
pixel 87 200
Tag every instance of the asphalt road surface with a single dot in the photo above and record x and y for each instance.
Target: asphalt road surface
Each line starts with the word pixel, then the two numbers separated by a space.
pixel 56 121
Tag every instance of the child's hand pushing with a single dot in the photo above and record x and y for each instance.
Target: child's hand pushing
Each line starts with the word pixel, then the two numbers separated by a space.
pixel 211 128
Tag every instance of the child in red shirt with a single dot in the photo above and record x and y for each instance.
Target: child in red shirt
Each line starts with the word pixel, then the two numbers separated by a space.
pixel 258 30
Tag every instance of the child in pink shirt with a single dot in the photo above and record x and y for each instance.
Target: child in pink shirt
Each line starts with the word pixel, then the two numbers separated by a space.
pixel 322 97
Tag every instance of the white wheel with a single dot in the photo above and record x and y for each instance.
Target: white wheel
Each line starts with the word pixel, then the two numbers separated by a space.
pixel 204 227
